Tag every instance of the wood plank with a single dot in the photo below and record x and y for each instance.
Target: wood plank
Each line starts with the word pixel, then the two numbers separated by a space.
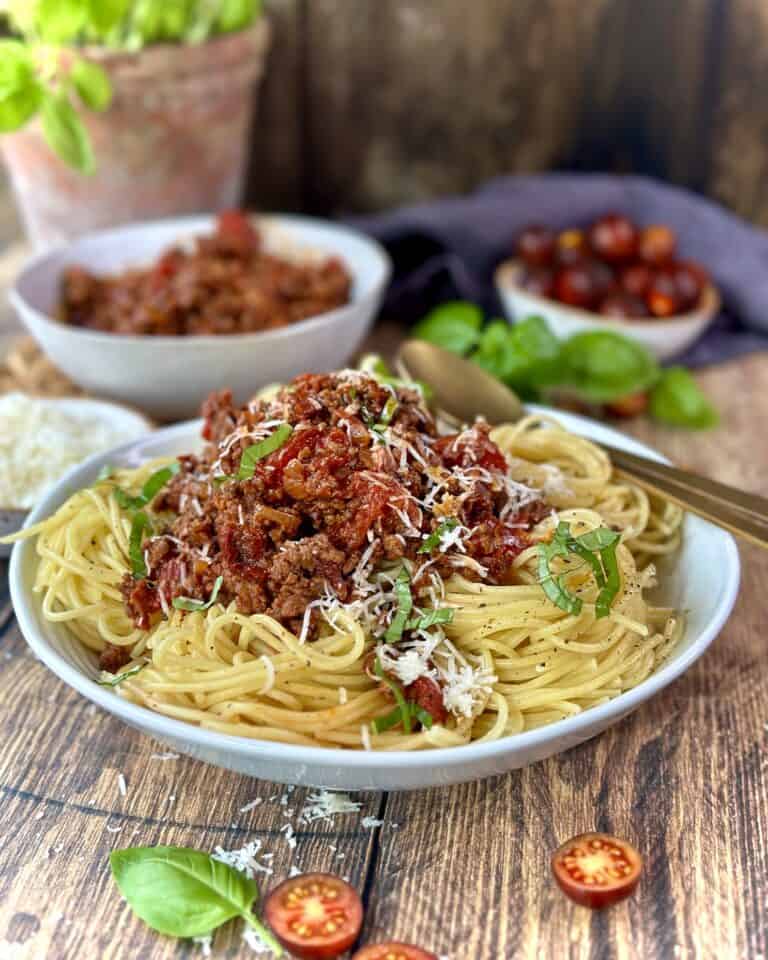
pixel 275 173
pixel 683 777
pixel 646 99
pixel 413 98
pixel 739 121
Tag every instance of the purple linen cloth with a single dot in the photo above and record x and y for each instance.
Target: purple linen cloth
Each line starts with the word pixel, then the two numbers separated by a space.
pixel 449 248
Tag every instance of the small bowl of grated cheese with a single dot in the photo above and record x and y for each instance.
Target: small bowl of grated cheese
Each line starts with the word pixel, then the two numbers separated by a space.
pixel 43 437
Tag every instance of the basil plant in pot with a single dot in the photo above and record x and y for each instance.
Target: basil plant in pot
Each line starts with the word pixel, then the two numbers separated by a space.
pixel 120 110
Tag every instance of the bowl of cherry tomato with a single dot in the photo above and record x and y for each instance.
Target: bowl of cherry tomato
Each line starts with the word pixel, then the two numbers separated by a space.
pixel 612 274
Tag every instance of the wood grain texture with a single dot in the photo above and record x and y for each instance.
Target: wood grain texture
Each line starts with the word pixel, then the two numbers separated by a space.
pixel 410 99
pixel 462 870
pixel 739 120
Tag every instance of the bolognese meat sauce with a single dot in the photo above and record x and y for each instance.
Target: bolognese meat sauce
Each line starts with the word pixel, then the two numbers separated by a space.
pixel 360 480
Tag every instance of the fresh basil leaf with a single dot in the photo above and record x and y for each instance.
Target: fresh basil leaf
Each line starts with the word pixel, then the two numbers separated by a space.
pixel 92 84
pixel 430 618
pixel 433 540
pixel 103 15
pixel 65 133
pixel 404 607
pixel 678 400
pixel 185 893
pixel 237 14
pixel 525 356
pixel 258 451
pixel 119 677
pixel 138 525
pixel 60 20
pixel 602 365
pixel 20 91
pixel 188 603
pixel 454 326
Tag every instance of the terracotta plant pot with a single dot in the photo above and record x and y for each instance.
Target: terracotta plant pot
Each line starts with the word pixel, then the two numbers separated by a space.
pixel 173 141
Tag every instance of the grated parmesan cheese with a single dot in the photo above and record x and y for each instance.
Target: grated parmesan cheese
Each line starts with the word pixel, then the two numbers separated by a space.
pixel 40 440
pixel 325 805
pixel 245 859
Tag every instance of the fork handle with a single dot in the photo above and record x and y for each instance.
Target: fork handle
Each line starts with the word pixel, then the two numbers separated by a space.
pixel 745 514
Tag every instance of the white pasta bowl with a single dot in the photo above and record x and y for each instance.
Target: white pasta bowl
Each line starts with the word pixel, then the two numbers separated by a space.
pixel 703 581
pixel 665 338
pixel 169 377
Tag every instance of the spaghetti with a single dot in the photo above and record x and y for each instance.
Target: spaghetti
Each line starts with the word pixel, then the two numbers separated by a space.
pixel 438 628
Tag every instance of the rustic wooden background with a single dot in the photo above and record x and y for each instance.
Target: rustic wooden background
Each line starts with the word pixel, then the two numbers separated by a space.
pixel 462 870
pixel 370 103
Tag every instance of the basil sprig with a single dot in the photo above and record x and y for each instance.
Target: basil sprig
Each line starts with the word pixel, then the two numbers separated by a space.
pixel 405 711
pixel 189 603
pixel 118 678
pixel 153 485
pixel 404 607
pixel 263 448
pixel 598 549
pixel 138 525
pixel 433 540
pixel 185 893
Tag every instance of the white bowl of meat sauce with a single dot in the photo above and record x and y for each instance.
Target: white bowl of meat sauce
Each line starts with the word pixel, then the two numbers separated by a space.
pixel 158 314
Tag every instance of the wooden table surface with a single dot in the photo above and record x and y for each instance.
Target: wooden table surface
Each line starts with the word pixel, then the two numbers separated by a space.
pixel 462 870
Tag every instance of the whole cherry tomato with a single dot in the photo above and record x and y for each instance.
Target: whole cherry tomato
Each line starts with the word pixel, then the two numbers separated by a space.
pixel 663 297
pixel 690 279
pixel 636 279
pixel 571 247
pixel 576 285
pixel 613 238
pixel 657 244
pixel 536 245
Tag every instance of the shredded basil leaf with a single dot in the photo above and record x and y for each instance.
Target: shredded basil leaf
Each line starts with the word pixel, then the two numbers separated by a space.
pixel 433 540
pixel 119 677
pixel 391 719
pixel 402 704
pixel 404 607
pixel 189 603
pixel 139 523
pixel 598 549
pixel 423 716
pixel 430 618
pixel 152 486
pixel 105 473
pixel 390 407
pixel 262 449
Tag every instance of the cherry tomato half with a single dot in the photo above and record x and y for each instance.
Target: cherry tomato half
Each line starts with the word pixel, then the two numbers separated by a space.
pixel 596 869
pixel 315 916
pixel 393 951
